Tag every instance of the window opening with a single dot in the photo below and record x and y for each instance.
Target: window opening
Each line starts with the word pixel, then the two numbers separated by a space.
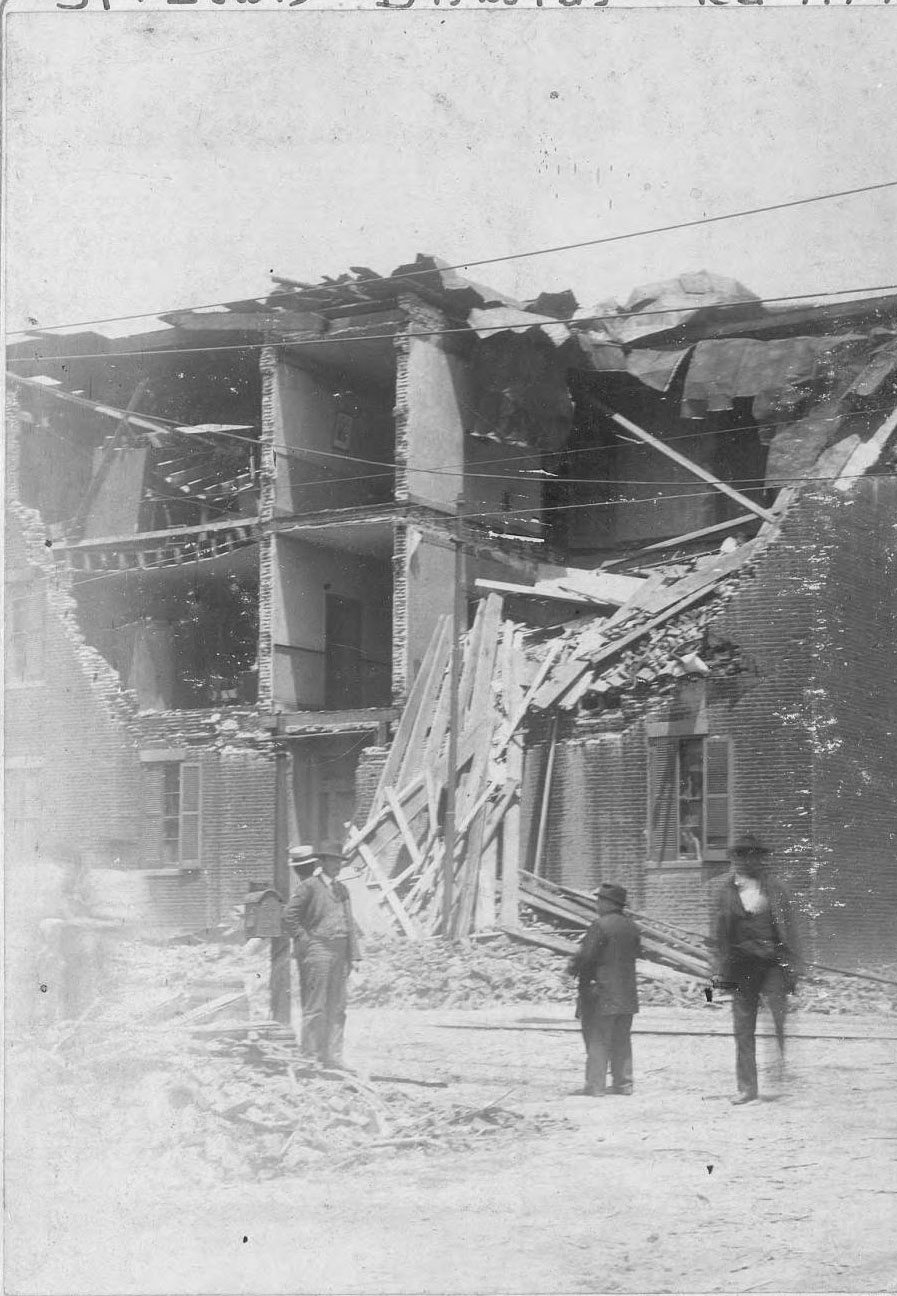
pixel 690 798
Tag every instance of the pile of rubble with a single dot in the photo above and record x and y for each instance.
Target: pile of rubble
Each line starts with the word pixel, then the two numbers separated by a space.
pixel 471 973
pixel 477 973
pixel 230 1103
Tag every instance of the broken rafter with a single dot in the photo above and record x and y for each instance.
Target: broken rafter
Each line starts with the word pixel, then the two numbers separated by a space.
pixel 688 464
pixel 741 520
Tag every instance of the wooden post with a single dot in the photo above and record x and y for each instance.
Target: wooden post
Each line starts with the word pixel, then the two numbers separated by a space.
pixel 449 832
pixel 546 797
pixel 279 984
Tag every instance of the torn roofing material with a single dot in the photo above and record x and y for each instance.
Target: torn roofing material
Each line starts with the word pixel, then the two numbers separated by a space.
pixel 689 299
pixel 771 374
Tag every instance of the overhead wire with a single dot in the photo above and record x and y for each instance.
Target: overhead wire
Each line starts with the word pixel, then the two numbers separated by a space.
pixel 466 265
pixel 492 513
pixel 328 340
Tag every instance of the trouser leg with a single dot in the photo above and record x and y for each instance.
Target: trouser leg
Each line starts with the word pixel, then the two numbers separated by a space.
pixel 621 1051
pixel 745 1001
pixel 314 968
pixel 775 994
pixel 598 1050
pixel 336 1008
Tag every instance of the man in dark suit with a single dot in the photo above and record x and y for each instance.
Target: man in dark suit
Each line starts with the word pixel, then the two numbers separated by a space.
pixel 608 995
pixel 325 944
pixel 757 953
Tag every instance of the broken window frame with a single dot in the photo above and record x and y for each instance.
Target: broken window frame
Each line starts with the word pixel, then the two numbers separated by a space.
pixel 675 790
pixel 176 809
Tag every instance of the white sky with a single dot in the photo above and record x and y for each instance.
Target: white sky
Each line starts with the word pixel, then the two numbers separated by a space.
pixel 163 159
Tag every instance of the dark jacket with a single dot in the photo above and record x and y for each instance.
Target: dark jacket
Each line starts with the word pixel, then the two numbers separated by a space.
pixel 605 965
pixel 727 914
pixel 318 912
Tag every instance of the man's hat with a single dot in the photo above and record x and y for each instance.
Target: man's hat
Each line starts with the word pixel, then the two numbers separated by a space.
pixel 748 844
pixel 610 891
pixel 302 857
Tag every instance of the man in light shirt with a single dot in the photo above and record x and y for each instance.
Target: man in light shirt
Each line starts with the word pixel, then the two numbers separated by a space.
pixel 755 938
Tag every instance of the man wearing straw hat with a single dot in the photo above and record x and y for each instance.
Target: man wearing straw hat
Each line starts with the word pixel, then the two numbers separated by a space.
pixel 325 944
pixel 608 993
pixel 757 950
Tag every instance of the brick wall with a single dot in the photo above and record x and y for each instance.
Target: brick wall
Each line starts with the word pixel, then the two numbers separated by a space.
pixel 371 761
pixel 853 724
pixel 812 717
pixel 69 723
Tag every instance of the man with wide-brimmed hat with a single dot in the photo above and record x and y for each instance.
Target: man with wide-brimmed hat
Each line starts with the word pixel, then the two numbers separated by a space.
pixel 757 953
pixel 325 944
pixel 608 993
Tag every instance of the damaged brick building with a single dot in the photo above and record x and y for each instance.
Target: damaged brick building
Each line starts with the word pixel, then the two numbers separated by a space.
pixel 235 535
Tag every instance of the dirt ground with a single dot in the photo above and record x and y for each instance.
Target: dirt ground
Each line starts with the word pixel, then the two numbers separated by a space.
pixel 671 1189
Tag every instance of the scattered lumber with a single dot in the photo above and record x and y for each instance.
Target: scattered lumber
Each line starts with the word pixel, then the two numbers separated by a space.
pixel 401 845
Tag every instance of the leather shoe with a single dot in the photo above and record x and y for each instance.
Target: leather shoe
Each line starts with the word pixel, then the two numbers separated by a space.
pixel 587 1093
pixel 625 1090
pixel 740 1099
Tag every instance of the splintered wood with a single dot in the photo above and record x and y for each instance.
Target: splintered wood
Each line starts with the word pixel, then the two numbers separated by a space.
pixel 402 843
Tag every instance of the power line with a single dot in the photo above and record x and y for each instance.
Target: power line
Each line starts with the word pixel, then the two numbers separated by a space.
pixel 465 329
pixel 513 256
pixel 494 513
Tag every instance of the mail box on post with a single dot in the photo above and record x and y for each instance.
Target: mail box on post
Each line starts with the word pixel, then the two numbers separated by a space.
pixel 262 912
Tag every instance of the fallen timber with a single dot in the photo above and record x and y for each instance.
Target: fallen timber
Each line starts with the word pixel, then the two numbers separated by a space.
pixel 400 846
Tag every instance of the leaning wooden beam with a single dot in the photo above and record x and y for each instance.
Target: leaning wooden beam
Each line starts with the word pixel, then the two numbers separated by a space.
pixel 511 726
pixel 546 797
pixel 688 464
pixel 689 536
pixel 395 904
pixel 528 591
pixel 427 701
pixel 404 828
pixel 409 715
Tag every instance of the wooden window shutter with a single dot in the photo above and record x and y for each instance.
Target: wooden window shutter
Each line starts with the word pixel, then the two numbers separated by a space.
pixel 717 799
pixel 663 793
pixel 190 813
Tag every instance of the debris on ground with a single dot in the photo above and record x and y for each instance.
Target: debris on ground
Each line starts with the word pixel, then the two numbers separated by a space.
pixel 231 1102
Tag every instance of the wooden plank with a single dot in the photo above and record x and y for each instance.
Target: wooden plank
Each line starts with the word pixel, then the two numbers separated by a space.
pixel 546 797
pixel 467 896
pixel 690 535
pixel 471 654
pixel 513 724
pixel 688 464
pixel 530 591
pixel 484 910
pixel 431 688
pixel 509 904
pixel 439 726
pixel 395 904
pixel 544 939
pixel 409 715
pixel 407 836
pixel 497 811
pixel 413 796
pixel 553 689
pixel 432 801
pixel 481 700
